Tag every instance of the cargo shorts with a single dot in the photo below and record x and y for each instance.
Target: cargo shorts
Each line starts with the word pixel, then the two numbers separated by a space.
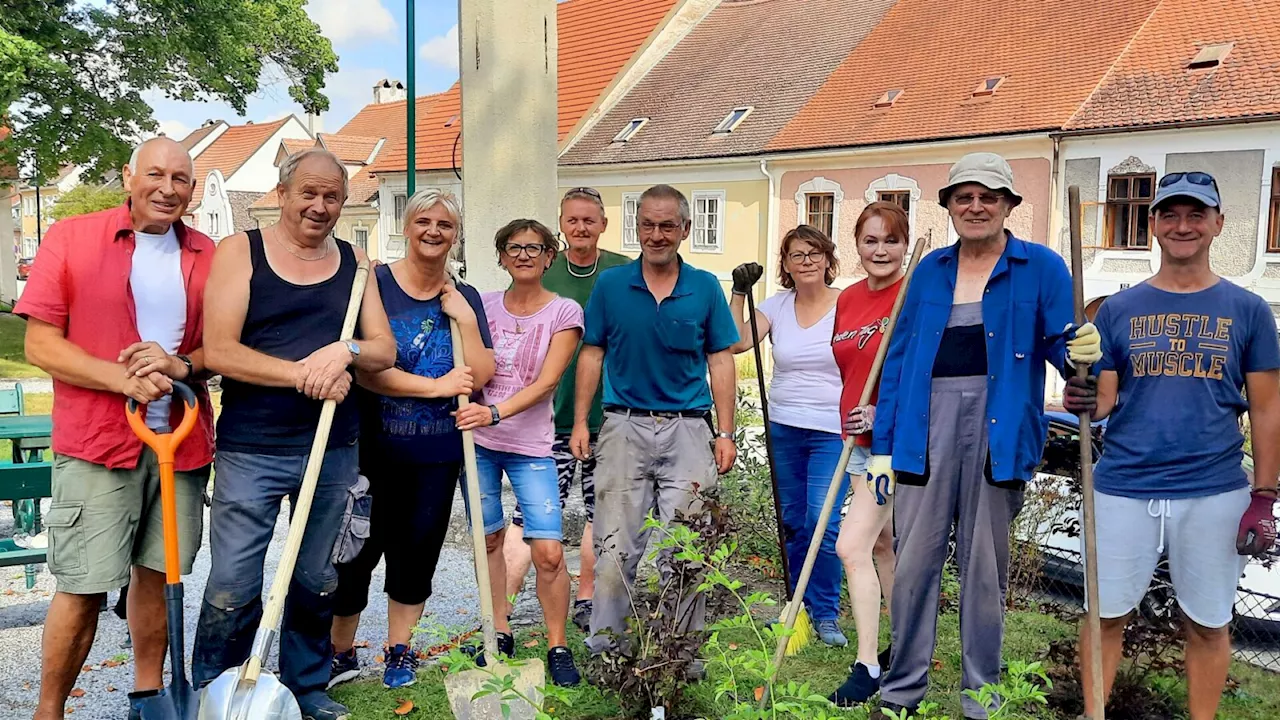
pixel 102 522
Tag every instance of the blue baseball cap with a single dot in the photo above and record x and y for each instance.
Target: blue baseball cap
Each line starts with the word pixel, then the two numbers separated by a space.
pixel 1198 186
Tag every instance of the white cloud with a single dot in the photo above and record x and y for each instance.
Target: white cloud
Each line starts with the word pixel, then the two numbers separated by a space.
pixel 349 91
pixel 175 129
pixel 348 20
pixel 441 50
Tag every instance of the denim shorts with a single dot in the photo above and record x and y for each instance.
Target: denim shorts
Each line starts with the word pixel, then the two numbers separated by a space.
pixel 536 487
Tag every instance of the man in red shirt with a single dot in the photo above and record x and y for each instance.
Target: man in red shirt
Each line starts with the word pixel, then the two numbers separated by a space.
pixel 114 309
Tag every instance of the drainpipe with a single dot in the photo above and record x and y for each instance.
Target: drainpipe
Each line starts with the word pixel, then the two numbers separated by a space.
pixel 1055 196
pixel 771 229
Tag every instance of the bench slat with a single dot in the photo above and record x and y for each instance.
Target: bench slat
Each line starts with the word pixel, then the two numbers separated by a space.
pixel 20 481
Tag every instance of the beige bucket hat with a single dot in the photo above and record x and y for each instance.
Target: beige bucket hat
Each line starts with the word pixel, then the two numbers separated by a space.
pixel 986 169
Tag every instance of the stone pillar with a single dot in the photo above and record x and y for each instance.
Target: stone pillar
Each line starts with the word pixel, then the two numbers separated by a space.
pixel 509 123
pixel 8 251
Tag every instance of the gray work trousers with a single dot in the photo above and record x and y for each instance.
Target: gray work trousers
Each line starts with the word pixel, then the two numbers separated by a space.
pixel 646 464
pixel 957 492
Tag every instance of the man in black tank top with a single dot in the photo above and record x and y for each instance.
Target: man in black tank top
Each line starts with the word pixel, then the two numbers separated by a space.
pixel 276 301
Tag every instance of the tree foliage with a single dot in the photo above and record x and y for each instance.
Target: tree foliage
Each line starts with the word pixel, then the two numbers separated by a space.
pixel 73 76
pixel 86 198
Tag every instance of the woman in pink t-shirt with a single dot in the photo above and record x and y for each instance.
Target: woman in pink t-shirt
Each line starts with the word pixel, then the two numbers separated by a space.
pixel 535 333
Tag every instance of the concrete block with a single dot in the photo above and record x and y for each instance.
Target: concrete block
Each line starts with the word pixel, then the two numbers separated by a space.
pixel 528 677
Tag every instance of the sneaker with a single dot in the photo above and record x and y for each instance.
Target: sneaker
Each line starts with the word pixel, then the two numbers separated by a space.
pixel 343 667
pixel 561 668
pixel 506 646
pixel 402 667
pixel 316 705
pixel 829 632
pixel 857 689
pixel 582 614
pixel 135 702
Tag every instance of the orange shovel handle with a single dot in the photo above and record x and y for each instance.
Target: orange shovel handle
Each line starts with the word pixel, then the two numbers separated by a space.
pixel 165 443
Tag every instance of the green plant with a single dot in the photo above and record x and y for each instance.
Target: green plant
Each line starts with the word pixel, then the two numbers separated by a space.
pixel 503 686
pixel 1012 698
pixel 926 711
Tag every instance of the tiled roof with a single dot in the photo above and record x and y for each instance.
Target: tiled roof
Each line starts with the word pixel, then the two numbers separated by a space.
pixel 937 53
pixel 766 54
pixel 195 136
pixel 596 39
pixel 384 119
pixel 234 147
pixel 349 148
pixel 1150 83
pixel 294 146
pixel 362 189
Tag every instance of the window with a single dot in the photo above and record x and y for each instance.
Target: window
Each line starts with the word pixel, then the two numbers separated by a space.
pixel 215 229
pixel 1210 56
pixel 988 86
pixel 708 221
pixel 888 99
pixel 1273 224
pixel 1129 211
pixel 901 198
pixel 821 211
pixel 401 201
pixel 630 208
pixel 630 130
pixel 732 120
pixel 360 238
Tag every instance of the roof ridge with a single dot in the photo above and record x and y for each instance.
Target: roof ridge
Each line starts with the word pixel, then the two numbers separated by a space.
pixel 1114 64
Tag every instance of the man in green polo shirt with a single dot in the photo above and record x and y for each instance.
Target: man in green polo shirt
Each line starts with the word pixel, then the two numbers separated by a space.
pixel 655 329
pixel 572 274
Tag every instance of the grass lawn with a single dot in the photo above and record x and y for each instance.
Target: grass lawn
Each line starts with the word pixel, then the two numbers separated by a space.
pixel 13 359
pixel 1027 636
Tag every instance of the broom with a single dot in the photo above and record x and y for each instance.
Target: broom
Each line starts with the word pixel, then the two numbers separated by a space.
pixel 803 629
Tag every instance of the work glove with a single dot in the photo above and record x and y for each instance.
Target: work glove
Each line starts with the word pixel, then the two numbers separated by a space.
pixel 1258 526
pixel 745 276
pixel 860 420
pixel 880 477
pixel 1084 344
pixel 1080 395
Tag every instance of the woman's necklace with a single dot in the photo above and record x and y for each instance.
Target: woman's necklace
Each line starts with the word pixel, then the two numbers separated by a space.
pixel 569 265
pixel 303 258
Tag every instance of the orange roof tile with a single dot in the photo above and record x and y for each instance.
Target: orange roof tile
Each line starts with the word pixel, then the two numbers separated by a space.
pixel 362 188
pixel 349 148
pixel 384 119
pixel 293 146
pixel 597 38
pixel 1150 83
pixel 234 147
pixel 195 136
pixel 1052 58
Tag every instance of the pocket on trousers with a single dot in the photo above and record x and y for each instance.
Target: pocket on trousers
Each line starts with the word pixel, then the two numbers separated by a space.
pixel 66 539
pixel 355 522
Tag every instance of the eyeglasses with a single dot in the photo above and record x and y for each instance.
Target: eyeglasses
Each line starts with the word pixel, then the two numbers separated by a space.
pixel 1195 178
pixel 666 228
pixel 513 251
pixel 988 199
pixel 813 256
pixel 583 191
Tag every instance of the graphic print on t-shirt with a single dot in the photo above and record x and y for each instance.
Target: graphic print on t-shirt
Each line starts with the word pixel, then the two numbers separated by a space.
pixel 1174 345
pixel 515 357
pixel 863 334
pixel 423 347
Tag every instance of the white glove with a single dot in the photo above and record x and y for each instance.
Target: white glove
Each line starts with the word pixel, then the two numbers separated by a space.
pixel 1084 344
pixel 880 477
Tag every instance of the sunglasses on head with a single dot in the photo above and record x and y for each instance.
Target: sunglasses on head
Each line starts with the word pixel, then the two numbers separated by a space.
pixel 583 191
pixel 1195 178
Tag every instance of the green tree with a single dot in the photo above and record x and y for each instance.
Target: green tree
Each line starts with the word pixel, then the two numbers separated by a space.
pixel 72 76
pixel 86 199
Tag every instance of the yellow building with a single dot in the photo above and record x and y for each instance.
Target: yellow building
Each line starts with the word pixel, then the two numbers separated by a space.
pixel 67 179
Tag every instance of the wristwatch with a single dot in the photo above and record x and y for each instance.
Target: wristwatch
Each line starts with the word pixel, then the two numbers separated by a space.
pixel 353 348
pixel 493 410
pixel 191 369
pixel 724 436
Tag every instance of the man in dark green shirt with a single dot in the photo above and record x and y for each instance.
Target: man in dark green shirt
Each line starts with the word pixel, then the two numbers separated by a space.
pixel 572 274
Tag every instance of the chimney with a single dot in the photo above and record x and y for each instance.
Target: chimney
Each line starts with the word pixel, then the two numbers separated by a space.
pixel 315 123
pixel 386 91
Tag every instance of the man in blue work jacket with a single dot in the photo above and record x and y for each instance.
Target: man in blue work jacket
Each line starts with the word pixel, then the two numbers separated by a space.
pixel 959 420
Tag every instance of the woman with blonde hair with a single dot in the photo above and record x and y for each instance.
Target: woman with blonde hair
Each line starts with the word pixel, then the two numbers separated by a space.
pixel 411 449
pixel 804 423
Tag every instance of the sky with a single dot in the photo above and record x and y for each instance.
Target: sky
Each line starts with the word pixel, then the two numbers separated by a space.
pixel 369 38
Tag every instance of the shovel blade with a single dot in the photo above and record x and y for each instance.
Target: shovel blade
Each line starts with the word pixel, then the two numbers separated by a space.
pixel 227 698
pixel 173 703
pixel 528 678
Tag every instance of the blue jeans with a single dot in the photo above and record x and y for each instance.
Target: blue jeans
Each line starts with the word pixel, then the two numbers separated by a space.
pixel 247 491
pixel 537 489
pixel 805 460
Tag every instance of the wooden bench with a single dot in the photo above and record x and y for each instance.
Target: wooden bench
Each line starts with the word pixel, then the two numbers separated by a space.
pixel 18 482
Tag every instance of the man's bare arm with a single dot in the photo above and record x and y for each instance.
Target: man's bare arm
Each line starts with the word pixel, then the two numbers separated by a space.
pixel 724 383
pixel 48 349
pixel 1108 392
pixel 590 366
pixel 1263 390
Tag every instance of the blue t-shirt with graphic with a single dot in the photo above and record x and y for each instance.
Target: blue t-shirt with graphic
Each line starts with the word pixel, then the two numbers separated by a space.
pixel 1181 360
pixel 419 430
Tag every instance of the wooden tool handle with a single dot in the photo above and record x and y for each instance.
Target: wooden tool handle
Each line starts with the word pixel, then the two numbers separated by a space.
pixel 274 609
pixel 475 501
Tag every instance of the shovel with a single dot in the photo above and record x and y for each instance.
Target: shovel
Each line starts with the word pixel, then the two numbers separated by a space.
pixel 178 701
pixel 249 692
pixel 528 676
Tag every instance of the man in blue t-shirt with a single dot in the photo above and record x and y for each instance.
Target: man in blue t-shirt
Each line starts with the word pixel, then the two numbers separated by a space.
pixel 1178 350
pixel 655 327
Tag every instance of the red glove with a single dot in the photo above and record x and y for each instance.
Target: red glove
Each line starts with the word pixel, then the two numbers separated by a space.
pixel 1258 526
pixel 1080 395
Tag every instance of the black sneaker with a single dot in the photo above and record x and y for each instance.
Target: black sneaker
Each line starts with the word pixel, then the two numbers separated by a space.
pixel 857 689
pixel 561 668
pixel 343 667
pixel 506 646
pixel 316 705
pixel 582 614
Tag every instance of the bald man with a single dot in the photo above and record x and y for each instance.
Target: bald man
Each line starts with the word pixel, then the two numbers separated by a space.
pixel 115 311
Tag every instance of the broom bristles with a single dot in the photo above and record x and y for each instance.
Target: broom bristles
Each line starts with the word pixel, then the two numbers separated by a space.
pixel 801 633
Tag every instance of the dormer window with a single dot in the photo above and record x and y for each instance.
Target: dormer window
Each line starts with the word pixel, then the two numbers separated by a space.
pixel 732 120
pixel 1210 56
pixel 888 99
pixel 988 86
pixel 630 130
